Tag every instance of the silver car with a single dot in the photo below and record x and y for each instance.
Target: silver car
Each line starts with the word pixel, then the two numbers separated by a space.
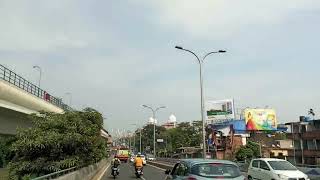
pixel 200 169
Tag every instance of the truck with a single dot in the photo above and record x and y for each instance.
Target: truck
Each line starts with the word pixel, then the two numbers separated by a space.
pixel 123 154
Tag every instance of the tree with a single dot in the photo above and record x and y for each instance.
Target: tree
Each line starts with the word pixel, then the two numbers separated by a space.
pixel 57 142
pixel 244 153
pixel 250 150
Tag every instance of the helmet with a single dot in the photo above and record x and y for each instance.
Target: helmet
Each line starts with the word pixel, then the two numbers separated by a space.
pixel 139 154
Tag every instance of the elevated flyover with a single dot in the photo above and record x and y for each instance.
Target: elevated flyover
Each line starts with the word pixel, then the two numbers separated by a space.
pixel 19 97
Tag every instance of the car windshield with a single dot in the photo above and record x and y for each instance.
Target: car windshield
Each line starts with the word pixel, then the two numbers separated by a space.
pixel 212 170
pixel 282 165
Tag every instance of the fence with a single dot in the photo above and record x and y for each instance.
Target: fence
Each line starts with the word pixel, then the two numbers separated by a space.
pixel 13 78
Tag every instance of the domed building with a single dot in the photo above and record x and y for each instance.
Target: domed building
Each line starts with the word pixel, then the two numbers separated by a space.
pixel 152 121
pixel 171 123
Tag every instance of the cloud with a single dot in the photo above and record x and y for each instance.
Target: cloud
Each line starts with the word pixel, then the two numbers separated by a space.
pixel 218 19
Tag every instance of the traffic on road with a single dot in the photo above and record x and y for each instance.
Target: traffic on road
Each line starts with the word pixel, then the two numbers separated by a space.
pixel 127 171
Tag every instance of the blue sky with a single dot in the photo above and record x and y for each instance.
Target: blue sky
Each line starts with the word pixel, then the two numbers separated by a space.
pixel 117 55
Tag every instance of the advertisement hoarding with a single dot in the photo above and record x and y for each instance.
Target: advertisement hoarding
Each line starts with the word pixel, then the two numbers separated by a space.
pixel 220 110
pixel 260 119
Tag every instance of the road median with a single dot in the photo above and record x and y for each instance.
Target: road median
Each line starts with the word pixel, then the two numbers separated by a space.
pixel 161 165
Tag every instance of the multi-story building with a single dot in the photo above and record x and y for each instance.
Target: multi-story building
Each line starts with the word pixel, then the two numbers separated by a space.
pixel 305 136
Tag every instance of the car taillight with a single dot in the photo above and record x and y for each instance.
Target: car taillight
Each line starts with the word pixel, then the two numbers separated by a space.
pixel 191 178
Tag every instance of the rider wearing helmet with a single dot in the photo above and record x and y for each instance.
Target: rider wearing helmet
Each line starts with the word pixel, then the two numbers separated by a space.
pixel 138 162
pixel 115 163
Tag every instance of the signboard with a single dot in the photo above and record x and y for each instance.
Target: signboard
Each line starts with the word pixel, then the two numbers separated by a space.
pixel 260 119
pixel 220 110
pixel 160 140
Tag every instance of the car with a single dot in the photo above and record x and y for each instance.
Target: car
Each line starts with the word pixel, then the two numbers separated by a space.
pixel 202 169
pixel 274 169
pixel 151 158
pixel 132 159
pixel 143 160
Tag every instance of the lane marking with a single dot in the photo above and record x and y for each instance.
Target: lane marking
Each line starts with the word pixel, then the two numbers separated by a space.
pixel 156 167
pixel 141 177
pixel 99 178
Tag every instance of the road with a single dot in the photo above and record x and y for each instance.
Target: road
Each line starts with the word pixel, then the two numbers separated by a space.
pixel 127 172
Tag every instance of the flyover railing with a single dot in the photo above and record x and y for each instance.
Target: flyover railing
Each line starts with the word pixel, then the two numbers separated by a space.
pixel 20 82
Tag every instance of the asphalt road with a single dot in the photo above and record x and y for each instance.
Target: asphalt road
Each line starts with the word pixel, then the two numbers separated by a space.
pixel 127 173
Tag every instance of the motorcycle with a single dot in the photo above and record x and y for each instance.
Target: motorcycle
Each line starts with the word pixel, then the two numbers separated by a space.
pixel 139 172
pixel 115 172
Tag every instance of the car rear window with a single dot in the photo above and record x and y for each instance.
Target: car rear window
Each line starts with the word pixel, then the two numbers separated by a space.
pixel 216 170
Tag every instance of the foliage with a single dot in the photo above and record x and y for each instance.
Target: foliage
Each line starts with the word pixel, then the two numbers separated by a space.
pixel 57 142
pixel 5 153
pixel 183 135
pixel 250 150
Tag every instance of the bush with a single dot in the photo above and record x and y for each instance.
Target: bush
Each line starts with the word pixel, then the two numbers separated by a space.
pixel 5 153
pixel 57 142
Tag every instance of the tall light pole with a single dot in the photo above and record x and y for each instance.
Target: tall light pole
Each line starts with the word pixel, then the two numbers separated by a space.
pixel 40 72
pixel 154 125
pixel 201 61
pixel 140 145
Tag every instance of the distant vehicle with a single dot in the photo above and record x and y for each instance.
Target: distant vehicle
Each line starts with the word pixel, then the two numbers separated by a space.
pixel 132 159
pixel 143 160
pixel 123 154
pixel 202 169
pixel 277 169
pixel 150 157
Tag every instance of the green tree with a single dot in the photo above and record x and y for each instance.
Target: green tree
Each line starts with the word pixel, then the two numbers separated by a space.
pixel 57 142
pixel 244 153
pixel 250 150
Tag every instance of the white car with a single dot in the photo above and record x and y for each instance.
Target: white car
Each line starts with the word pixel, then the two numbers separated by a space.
pixel 143 160
pixel 132 159
pixel 274 169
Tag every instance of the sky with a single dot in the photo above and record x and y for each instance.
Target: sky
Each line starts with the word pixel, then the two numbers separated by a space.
pixel 115 56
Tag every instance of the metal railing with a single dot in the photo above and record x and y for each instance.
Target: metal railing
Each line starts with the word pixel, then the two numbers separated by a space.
pixel 13 78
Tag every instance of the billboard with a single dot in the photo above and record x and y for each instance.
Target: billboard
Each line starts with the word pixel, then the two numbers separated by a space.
pixel 260 119
pixel 220 110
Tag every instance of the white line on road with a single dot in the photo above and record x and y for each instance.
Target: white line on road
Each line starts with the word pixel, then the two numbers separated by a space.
pixel 103 172
pixel 134 172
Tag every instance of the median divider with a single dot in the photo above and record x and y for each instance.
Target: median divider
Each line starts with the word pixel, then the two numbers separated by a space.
pixel 161 165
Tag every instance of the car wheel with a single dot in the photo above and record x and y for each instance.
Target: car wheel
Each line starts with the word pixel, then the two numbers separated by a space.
pixel 250 178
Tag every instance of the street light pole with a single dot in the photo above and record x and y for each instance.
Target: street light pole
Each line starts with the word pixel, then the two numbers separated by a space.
pixel 154 125
pixel 201 93
pixel 40 71
pixel 140 149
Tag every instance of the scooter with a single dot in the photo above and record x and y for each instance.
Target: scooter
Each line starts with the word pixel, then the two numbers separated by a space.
pixel 115 172
pixel 139 172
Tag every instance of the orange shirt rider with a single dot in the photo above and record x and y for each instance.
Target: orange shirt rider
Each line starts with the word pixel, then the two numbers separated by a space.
pixel 138 162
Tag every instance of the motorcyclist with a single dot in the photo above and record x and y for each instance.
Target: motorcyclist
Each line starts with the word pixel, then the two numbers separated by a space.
pixel 115 163
pixel 138 163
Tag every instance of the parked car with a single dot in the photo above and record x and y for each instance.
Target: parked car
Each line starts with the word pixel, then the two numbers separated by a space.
pixel 202 169
pixel 274 169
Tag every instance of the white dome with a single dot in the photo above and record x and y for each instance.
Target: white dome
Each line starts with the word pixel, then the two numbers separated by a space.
pixel 151 120
pixel 172 118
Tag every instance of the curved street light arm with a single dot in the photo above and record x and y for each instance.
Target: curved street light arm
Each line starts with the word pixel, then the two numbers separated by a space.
pixel 213 52
pixel 193 54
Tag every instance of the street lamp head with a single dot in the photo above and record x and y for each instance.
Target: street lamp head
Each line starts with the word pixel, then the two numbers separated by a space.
pixel 178 47
pixel 222 51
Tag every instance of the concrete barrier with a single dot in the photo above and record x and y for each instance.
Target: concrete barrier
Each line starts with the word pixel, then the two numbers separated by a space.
pixel 161 165
pixel 86 173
